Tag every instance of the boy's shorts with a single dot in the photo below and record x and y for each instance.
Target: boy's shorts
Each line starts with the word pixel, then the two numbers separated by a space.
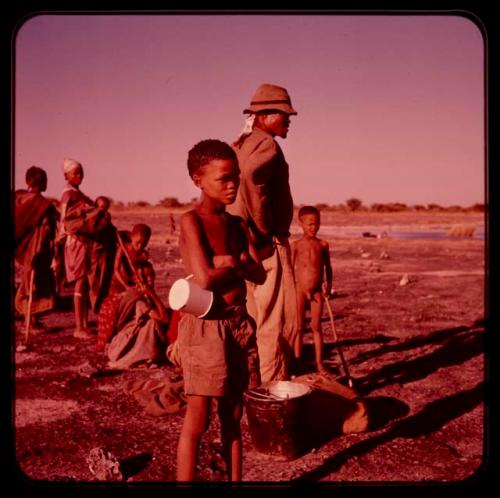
pixel 218 356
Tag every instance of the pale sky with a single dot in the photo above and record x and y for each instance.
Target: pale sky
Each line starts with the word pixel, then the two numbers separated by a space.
pixel 390 108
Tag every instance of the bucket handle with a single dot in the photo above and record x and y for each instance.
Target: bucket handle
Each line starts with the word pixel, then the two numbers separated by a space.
pixel 189 276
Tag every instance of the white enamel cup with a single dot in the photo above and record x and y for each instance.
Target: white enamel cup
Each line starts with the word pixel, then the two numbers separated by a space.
pixel 186 296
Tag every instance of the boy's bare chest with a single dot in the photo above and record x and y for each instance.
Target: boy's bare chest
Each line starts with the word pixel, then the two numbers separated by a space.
pixel 309 252
pixel 222 234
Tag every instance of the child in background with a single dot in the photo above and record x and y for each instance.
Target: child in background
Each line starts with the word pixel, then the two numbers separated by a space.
pixel 35 227
pixel 103 203
pixel 102 251
pixel 218 355
pixel 139 335
pixel 74 205
pixel 313 278
pixel 123 278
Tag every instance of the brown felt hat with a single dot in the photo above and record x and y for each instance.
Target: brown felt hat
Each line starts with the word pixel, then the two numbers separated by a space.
pixel 270 97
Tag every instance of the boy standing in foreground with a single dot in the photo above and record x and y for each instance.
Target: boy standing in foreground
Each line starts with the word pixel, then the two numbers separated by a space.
pixel 313 277
pixel 218 354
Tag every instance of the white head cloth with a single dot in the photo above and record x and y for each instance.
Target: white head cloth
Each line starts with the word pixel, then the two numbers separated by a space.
pixel 247 129
pixel 70 165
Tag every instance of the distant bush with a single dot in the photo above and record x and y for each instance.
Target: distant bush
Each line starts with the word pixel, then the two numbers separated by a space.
pixel 353 204
pixel 340 207
pixel 455 209
pixel 391 207
pixel 434 207
pixel 478 208
pixel 322 206
pixel 170 202
pixel 378 207
pixel 138 204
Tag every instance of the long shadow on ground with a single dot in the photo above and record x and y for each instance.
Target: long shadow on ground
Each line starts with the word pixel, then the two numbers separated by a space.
pixel 438 336
pixel 455 351
pixel 328 411
pixel 134 464
pixel 431 418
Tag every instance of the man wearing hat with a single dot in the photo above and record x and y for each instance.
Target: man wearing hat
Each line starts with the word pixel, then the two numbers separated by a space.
pixel 265 202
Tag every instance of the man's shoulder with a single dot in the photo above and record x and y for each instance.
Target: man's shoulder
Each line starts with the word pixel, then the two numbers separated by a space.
pixel 261 140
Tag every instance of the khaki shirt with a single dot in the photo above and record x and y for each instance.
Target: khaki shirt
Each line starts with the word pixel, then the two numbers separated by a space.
pixel 264 199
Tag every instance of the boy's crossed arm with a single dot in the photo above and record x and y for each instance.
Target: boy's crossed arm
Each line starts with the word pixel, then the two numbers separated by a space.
pixel 223 270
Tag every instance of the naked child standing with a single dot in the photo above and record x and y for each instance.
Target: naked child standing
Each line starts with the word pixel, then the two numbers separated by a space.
pixel 313 277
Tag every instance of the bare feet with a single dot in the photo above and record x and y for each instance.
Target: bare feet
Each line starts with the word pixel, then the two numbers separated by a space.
pixel 83 334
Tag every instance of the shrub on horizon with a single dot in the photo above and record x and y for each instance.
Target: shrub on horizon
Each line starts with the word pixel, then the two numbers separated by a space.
pixel 353 204
pixel 478 208
pixel 138 204
pixel 455 209
pixel 322 206
pixel 387 208
pixel 434 207
pixel 170 202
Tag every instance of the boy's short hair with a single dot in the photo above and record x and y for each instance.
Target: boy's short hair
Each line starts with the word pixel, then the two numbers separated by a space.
pixel 308 210
pixel 35 176
pixel 142 229
pixel 208 150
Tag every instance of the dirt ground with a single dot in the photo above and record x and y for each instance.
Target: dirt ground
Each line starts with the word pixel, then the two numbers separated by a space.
pixel 415 352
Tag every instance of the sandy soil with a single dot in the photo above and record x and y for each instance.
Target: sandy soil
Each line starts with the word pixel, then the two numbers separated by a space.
pixel 415 352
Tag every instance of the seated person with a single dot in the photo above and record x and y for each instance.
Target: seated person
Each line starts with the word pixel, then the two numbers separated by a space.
pixel 135 244
pixel 124 278
pixel 140 332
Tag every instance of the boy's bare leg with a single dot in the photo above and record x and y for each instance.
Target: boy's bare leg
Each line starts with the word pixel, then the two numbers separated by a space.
pixel 316 312
pixel 80 300
pixel 85 302
pixel 195 424
pixel 230 412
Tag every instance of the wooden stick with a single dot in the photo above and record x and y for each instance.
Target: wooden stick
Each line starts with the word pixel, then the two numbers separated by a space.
pixel 341 354
pixel 122 245
pixel 28 311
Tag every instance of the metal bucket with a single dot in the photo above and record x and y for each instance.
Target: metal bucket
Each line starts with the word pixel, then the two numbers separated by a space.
pixel 275 412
